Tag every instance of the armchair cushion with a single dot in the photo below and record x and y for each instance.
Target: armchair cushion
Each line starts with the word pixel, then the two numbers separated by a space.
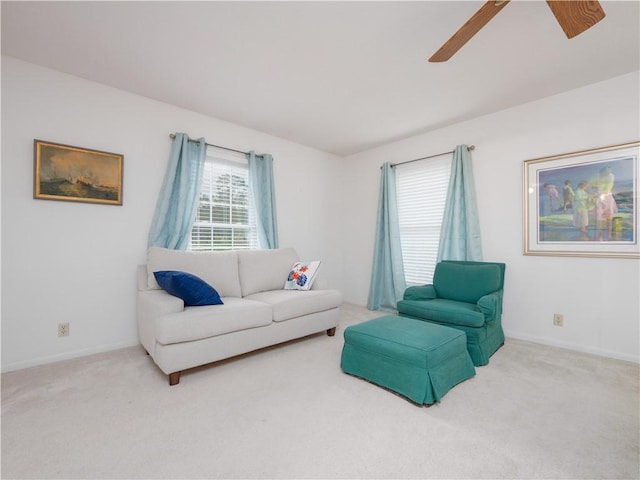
pixel 466 282
pixel 447 312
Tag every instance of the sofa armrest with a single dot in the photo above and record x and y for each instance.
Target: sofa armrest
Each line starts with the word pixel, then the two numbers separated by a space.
pixel 491 306
pixel 423 292
pixel 141 278
pixel 157 303
pixel 153 304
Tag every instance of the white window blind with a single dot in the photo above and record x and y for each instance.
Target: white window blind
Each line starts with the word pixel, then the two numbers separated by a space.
pixel 225 217
pixel 422 191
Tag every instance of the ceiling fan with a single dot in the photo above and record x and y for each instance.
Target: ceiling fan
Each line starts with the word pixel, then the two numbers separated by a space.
pixel 573 16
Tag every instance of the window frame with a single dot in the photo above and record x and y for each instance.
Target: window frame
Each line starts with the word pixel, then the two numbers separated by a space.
pixel 232 235
pixel 421 191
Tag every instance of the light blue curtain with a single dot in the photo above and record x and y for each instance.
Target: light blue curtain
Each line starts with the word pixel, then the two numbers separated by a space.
pixel 460 234
pixel 387 278
pixel 264 198
pixel 179 195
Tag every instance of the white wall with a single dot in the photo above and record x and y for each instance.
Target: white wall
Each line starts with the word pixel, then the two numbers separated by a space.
pixel 72 262
pixel 76 262
pixel 598 296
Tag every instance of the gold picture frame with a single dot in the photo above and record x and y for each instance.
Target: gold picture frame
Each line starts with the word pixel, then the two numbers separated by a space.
pixel 75 174
pixel 583 203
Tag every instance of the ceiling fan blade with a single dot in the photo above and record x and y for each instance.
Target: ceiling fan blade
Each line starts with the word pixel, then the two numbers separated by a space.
pixel 468 30
pixel 576 16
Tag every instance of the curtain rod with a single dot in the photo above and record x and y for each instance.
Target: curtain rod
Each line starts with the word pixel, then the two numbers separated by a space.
pixel 470 147
pixel 173 135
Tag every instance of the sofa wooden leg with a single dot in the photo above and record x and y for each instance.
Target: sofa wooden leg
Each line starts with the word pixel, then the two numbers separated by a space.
pixel 331 332
pixel 174 378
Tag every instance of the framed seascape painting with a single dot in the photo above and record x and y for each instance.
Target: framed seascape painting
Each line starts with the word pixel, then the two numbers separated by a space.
pixel 75 174
pixel 583 203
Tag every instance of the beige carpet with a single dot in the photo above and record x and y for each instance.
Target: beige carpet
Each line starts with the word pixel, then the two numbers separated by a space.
pixel 289 412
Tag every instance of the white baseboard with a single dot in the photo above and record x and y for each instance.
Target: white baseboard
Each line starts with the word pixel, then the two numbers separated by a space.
pixel 65 356
pixel 571 346
pixel 527 338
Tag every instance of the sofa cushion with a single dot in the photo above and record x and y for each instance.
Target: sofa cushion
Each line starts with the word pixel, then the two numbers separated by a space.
pixel 190 288
pixel 441 310
pixel 264 270
pixel 196 323
pixel 287 304
pixel 218 269
pixel 302 276
pixel 466 282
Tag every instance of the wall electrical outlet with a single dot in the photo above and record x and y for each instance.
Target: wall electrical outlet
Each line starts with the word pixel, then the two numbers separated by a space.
pixel 558 319
pixel 63 329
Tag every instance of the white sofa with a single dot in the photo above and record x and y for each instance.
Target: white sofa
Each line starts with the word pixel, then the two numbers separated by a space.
pixel 257 310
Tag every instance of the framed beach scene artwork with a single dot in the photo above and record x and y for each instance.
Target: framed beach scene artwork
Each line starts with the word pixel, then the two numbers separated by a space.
pixel 583 203
pixel 74 174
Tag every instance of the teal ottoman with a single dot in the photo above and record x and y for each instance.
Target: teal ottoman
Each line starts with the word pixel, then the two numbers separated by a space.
pixel 419 360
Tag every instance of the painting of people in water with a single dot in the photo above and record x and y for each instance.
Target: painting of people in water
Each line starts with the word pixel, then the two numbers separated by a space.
pixel 63 172
pixel 585 202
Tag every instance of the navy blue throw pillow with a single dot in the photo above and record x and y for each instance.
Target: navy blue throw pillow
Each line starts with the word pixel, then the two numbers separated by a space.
pixel 190 288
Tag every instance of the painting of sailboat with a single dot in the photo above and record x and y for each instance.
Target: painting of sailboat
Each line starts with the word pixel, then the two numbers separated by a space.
pixel 64 172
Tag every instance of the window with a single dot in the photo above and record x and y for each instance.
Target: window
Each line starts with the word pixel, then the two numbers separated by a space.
pixel 422 192
pixel 225 217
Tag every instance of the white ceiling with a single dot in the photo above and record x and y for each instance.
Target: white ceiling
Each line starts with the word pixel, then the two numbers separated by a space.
pixel 342 77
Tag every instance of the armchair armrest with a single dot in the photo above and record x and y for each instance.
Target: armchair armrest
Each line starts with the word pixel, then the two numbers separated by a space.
pixel 491 306
pixel 423 292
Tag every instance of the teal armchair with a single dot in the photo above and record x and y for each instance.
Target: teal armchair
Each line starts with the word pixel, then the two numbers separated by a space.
pixel 466 296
